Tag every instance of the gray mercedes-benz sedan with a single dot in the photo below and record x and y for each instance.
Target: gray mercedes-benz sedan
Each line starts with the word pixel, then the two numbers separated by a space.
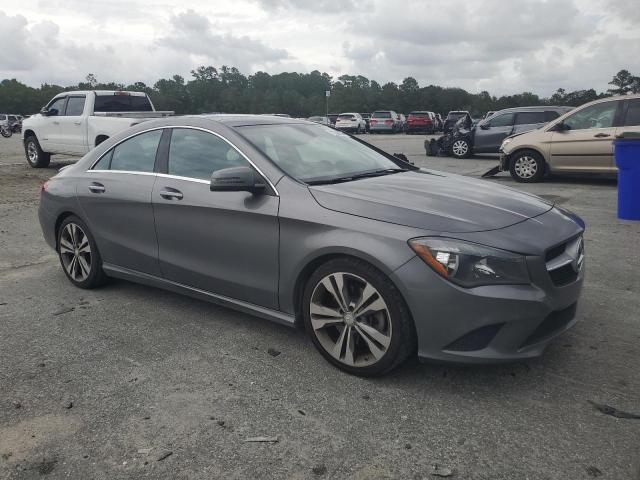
pixel 304 225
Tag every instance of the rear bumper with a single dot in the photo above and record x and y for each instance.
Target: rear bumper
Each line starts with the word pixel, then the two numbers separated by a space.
pixel 347 128
pixel 381 128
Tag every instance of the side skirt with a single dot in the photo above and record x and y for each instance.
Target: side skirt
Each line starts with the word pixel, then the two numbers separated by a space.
pixel 153 281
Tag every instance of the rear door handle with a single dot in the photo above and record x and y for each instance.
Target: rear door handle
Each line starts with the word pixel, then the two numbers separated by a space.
pixel 96 187
pixel 171 194
pixel 602 135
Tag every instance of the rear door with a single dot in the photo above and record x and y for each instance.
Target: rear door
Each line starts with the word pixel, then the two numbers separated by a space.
pixel 116 198
pixel 72 126
pixel 587 143
pixel 220 242
pixel 490 135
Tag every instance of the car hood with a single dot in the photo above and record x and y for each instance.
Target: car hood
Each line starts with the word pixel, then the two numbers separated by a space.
pixel 431 200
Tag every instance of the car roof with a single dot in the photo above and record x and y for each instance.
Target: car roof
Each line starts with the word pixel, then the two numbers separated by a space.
pixel 537 108
pixel 238 120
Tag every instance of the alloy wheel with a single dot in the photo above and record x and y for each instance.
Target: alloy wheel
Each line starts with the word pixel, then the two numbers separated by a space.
pixel 460 148
pixel 350 319
pixel 32 152
pixel 75 252
pixel 526 166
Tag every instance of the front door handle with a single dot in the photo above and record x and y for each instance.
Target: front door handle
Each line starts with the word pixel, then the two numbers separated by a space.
pixel 96 187
pixel 77 123
pixel 171 194
pixel 602 135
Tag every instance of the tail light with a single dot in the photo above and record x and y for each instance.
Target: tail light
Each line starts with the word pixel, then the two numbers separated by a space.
pixel 373 120
pixel 44 186
pixel 388 122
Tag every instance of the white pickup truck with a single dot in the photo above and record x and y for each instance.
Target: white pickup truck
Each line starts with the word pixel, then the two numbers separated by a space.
pixel 72 123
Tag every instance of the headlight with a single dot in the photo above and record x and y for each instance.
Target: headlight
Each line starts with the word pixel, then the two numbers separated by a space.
pixel 469 264
pixel 505 142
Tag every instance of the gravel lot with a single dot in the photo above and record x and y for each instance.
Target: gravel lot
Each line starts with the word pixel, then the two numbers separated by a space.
pixel 107 383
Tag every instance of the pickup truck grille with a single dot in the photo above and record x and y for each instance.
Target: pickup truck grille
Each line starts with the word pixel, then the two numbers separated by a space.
pixel 565 261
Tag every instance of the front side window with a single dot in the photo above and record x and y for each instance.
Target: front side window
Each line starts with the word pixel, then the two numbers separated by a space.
pixel 528 118
pixel 197 154
pixel 75 106
pixel 137 154
pixel 311 153
pixel 505 120
pixel 56 107
pixel 600 115
pixel 633 114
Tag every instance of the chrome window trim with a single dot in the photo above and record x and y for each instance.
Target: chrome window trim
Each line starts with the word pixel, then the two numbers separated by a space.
pixel 197 180
pixel 188 179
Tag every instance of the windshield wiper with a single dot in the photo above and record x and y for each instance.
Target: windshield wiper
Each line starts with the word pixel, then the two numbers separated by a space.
pixel 356 176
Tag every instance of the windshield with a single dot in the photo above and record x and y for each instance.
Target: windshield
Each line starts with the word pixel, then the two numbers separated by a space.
pixel 312 153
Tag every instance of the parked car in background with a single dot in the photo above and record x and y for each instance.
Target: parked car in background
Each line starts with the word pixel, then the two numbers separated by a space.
pixel 4 120
pixel 333 117
pixel 73 123
pixel 367 118
pixel 580 141
pixel 351 122
pixel 487 135
pixel 321 120
pixel 384 121
pixel 421 122
pixel 452 117
pixel 14 123
pixel 320 228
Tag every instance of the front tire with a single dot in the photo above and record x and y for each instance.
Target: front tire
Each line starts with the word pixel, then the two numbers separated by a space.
pixel 357 318
pixel 79 254
pixel 35 156
pixel 460 148
pixel 527 166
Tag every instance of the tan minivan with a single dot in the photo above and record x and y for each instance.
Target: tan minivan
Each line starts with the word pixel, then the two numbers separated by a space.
pixel 578 141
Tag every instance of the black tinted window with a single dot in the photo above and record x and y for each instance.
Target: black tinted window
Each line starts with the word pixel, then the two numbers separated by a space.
pixel 197 154
pixel 55 108
pixel 505 120
pixel 138 154
pixel 381 115
pixel 526 118
pixel 122 103
pixel 633 114
pixel 75 106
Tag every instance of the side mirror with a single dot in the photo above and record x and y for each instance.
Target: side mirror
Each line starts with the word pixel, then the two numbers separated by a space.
pixel 237 179
pixel 485 126
pixel 559 127
pixel 44 111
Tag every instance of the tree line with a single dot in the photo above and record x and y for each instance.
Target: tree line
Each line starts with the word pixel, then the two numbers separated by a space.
pixel 227 90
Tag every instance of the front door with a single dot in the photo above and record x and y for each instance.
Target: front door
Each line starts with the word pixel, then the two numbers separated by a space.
pixel 221 242
pixel 72 126
pixel 116 198
pixel 49 136
pixel 489 136
pixel 586 143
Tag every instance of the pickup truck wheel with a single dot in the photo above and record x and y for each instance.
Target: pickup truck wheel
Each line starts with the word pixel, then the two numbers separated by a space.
pixel 527 167
pixel 35 156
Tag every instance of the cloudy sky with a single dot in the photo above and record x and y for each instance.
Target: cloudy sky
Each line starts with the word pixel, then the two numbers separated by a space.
pixel 503 46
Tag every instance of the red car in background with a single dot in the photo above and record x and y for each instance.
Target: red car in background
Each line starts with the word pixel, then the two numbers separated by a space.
pixel 421 121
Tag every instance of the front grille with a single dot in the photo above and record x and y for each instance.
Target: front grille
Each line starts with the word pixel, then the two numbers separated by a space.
pixel 476 339
pixel 564 261
pixel 553 323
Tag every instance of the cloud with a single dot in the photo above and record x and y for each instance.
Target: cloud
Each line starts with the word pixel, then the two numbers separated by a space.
pixel 315 6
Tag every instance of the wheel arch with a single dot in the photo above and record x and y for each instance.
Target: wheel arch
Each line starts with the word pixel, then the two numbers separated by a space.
pixel 99 139
pixel 525 148
pixel 29 133
pixel 61 218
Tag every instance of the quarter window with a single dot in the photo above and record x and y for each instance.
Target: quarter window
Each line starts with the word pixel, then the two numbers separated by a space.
pixel 138 154
pixel 528 118
pixel 505 120
pixel 197 154
pixel 600 115
pixel 75 106
pixel 633 114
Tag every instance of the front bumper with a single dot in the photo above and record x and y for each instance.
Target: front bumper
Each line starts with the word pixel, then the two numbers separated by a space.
pixel 488 324
pixel 505 161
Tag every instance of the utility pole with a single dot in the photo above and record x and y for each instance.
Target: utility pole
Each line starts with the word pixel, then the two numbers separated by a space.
pixel 327 94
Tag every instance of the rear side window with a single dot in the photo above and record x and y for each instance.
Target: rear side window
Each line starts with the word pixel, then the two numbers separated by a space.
pixel 527 118
pixel 122 103
pixel 381 115
pixel 505 120
pixel 137 154
pixel 75 106
pixel 632 118
pixel 197 154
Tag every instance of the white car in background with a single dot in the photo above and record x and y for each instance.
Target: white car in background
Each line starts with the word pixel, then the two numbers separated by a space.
pixel 73 123
pixel 351 122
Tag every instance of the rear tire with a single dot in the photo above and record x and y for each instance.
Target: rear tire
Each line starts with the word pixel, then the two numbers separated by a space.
pixel 79 255
pixel 36 158
pixel 527 166
pixel 367 329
